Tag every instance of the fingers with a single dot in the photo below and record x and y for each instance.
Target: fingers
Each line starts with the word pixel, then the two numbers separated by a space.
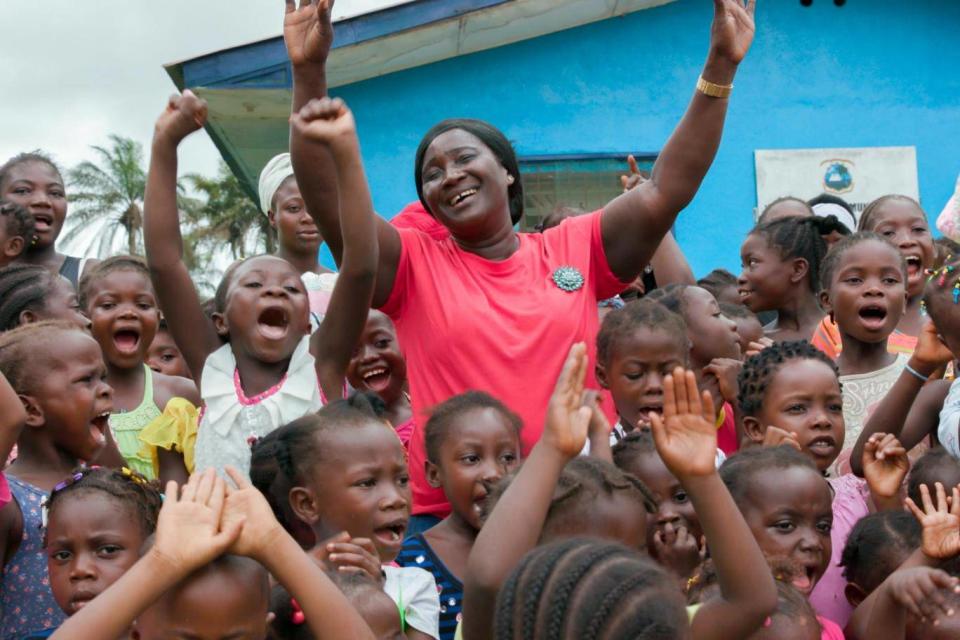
pixel 632 163
pixel 694 404
pixel 925 499
pixel 240 481
pixel 570 382
pixel 171 493
pixel 955 502
pixel 870 448
pixel 914 509
pixel 189 491
pixel 941 498
pixel 205 486
pixel 751 7
pixel 218 494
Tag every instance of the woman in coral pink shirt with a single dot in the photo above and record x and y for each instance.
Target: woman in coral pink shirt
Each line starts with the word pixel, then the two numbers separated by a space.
pixel 491 309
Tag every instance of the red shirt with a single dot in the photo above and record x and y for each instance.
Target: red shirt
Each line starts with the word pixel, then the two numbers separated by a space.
pixel 414 216
pixel 467 323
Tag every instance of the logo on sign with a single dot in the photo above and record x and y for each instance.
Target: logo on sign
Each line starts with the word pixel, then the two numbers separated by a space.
pixel 838 176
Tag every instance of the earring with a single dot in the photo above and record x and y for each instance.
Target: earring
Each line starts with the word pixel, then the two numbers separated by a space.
pixel 509 178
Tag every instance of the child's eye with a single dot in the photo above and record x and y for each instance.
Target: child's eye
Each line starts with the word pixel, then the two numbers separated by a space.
pixel 252 285
pixel 509 458
pixel 852 280
pixel 470 458
pixel 292 289
pixel 61 556
pixel 796 408
pixel 824 527
pixel 21 191
pixel 366 483
pixel 56 193
pixel 403 480
pixel 836 407
pixel 633 376
pixel 785 526
pixel 382 344
pixel 920 230
pixel 891 281
pixel 109 549
pixel 680 497
pixel 887 233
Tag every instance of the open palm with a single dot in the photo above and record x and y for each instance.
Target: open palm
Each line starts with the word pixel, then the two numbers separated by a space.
pixel 568 420
pixel 308 31
pixel 733 28
pixel 686 435
pixel 885 464
pixel 941 528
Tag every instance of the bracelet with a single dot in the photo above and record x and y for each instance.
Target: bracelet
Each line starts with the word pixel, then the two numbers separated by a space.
pixel 916 373
pixel 714 90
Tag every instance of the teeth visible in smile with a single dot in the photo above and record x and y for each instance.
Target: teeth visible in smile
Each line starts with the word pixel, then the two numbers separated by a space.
pixel 374 372
pixel 460 196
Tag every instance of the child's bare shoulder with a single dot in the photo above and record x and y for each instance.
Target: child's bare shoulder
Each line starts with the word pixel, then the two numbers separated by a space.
pixel 165 388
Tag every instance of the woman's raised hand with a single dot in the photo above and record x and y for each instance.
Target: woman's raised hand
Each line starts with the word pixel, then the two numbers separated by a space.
pixel 184 114
pixel 568 419
pixel 686 435
pixel 308 31
pixel 327 121
pixel 732 30
pixel 189 532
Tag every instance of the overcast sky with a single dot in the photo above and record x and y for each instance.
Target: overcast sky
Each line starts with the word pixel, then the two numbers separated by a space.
pixel 75 71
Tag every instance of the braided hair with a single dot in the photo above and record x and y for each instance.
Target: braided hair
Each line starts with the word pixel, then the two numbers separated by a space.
pixel 645 313
pixel 23 287
pixel 633 445
pixel 866 218
pixel 759 369
pixel 590 590
pixel 716 281
pixel 831 261
pixel 876 546
pixel 444 416
pixel 266 476
pixel 105 268
pixel 19 222
pixel 140 496
pixel 799 238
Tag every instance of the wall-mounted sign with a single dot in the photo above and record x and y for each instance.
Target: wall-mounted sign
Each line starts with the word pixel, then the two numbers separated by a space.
pixel 858 175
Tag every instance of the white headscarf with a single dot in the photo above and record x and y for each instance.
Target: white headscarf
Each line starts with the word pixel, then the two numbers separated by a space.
pixel 272 176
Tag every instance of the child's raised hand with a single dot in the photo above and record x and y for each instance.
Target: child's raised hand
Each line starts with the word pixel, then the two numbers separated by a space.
pixel 246 506
pixel 885 464
pixel 941 527
pixel 922 591
pixel 189 529
pixel 686 435
pixel 931 353
pixel 308 31
pixel 775 437
pixel 184 114
pixel 325 120
pixel 568 420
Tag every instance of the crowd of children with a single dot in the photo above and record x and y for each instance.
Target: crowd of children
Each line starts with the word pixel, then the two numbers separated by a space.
pixel 472 432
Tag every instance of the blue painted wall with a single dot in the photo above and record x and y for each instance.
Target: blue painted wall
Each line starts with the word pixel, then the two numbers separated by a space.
pixel 872 73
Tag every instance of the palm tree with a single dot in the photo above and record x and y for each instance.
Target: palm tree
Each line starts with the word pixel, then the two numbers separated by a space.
pixel 107 198
pixel 228 217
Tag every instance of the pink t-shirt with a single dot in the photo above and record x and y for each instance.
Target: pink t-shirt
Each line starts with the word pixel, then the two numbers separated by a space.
pixel 5 495
pixel 467 323
pixel 414 216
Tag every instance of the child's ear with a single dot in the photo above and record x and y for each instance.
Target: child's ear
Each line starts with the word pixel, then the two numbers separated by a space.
pixel 35 417
pixel 825 302
pixel 753 429
pixel 13 247
pixel 855 595
pixel 220 324
pixel 601 374
pixel 305 505
pixel 28 317
pixel 434 476
pixel 800 269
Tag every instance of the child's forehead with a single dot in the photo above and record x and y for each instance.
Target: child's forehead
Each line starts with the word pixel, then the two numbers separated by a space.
pixel 796 487
pixel 798 375
pixel 872 252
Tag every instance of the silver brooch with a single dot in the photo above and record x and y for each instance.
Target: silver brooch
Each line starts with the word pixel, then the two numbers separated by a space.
pixel 568 278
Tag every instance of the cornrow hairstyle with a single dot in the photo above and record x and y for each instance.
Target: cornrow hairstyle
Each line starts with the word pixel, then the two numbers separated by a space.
pixel 581 482
pixel 19 349
pixel 23 287
pixel 866 218
pixel 739 468
pixel 716 281
pixel 645 313
pixel 19 222
pixel 802 238
pixel 831 261
pixel 494 140
pixel 444 417
pixel 737 311
pixel 935 465
pixel 140 496
pixel 877 545
pixel 759 369
pixel 105 268
pixel 943 284
pixel 266 476
pixel 634 444
pixel 299 443
pixel 589 590
pixel 799 201
pixel 671 297
pixel 26 158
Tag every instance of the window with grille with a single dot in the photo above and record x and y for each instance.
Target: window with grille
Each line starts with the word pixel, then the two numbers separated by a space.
pixel 585 182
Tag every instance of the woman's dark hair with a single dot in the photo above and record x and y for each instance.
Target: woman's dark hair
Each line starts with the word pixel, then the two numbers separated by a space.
pixel 582 480
pixel 739 468
pixel 445 414
pixel 832 260
pixel 25 158
pixel 19 222
pixel 716 281
pixel 140 496
pixel 105 268
pixel 876 546
pixel 589 590
pixel 866 218
pixel 799 238
pixel 299 447
pixel 23 287
pixel 935 465
pixel 759 369
pixel 644 313
pixel 490 136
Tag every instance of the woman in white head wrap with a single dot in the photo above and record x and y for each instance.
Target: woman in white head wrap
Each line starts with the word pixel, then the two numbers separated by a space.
pixel 298 237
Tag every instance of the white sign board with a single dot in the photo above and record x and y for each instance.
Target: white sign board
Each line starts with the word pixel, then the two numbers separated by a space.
pixel 857 175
